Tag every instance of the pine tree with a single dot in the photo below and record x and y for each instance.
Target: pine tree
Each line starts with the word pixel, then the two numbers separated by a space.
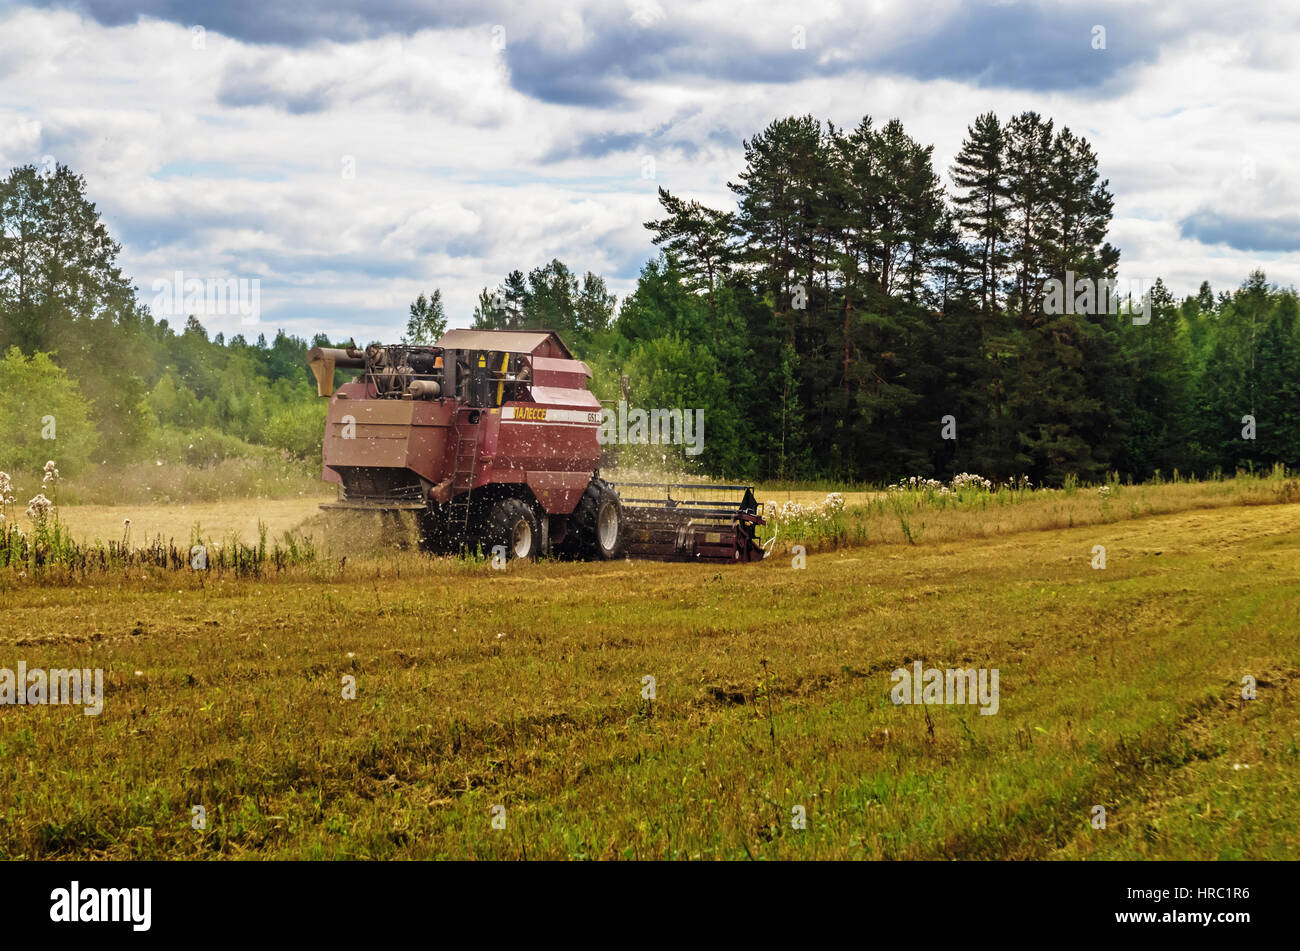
pixel 1029 188
pixel 781 203
pixel 1081 208
pixel 982 205
pixel 58 263
pixel 1072 378
pixel 1205 298
pixel 698 237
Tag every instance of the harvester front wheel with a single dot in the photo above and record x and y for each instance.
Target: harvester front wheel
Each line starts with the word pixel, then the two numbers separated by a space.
pixel 596 525
pixel 513 524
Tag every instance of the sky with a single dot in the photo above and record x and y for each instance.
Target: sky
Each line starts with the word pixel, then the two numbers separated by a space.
pixel 343 157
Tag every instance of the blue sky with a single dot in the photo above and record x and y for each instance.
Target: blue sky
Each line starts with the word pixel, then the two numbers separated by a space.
pixel 350 155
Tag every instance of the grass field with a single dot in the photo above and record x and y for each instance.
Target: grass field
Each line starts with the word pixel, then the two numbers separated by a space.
pixel 523 688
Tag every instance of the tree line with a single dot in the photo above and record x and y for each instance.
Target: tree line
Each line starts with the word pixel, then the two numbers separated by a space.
pixel 853 316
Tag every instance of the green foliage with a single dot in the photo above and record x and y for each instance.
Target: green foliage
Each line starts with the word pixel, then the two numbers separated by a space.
pixel 552 298
pixel 43 416
pixel 671 373
pixel 663 305
pixel 427 321
pixel 697 236
pixel 982 201
pixel 299 428
pixel 201 446
pixel 853 310
pixel 1249 366
pixel 57 261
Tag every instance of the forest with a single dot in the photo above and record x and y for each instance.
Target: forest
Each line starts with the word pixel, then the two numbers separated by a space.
pixel 858 315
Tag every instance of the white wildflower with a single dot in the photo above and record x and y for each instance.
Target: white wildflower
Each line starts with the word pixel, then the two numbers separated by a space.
pixel 39 507
pixel 917 484
pixel 963 480
pixel 791 511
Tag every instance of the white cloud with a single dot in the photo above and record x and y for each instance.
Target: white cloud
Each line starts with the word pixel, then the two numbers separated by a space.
pixel 229 160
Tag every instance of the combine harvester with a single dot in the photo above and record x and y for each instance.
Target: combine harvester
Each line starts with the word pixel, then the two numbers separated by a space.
pixel 491 439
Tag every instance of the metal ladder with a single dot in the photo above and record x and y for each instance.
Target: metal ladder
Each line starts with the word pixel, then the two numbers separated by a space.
pixel 464 469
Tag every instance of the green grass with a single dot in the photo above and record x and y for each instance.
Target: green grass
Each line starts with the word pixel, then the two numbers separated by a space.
pixel 1118 687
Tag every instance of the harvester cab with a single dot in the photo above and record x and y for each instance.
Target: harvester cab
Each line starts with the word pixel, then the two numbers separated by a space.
pixel 491 439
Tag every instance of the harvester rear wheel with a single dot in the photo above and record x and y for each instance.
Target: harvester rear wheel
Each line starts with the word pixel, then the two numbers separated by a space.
pixel 513 524
pixel 596 525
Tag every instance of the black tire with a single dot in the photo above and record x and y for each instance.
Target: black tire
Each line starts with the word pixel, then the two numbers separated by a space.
pixel 596 525
pixel 513 524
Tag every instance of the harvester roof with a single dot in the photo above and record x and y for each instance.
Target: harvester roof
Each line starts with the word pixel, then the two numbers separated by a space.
pixel 545 343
